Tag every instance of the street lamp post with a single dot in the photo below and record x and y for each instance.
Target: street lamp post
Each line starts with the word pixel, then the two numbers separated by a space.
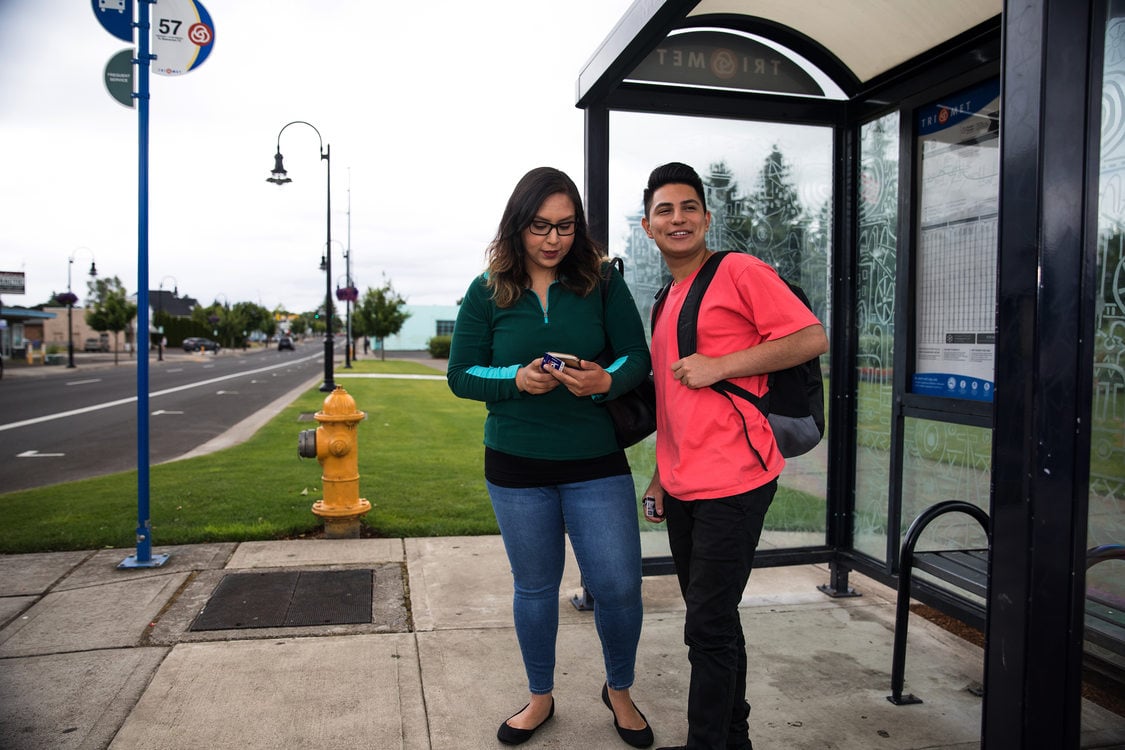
pixel 279 177
pixel 349 355
pixel 221 314
pixel 348 304
pixel 345 295
pixel 159 310
pixel 348 294
pixel 70 298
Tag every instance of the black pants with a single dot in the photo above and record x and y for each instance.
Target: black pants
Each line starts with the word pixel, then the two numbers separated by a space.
pixel 713 544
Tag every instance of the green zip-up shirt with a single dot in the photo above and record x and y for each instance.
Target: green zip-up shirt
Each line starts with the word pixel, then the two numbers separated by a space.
pixel 491 343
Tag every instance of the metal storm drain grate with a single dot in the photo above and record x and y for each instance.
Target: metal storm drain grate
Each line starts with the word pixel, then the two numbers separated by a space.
pixel 288 599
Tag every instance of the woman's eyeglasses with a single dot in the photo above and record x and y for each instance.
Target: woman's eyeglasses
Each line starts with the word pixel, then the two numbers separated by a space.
pixel 543 228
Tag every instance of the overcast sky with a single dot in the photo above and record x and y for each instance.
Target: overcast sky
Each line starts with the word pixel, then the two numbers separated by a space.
pixel 433 111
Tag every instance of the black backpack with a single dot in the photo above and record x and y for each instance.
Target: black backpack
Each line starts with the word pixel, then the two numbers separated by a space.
pixel 794 401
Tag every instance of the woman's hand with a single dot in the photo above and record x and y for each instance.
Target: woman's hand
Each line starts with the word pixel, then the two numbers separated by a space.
pixel 532 379
pixel 588 379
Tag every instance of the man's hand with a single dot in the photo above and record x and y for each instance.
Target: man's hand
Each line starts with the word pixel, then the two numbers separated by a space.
pixel 697 371
pixel 656 492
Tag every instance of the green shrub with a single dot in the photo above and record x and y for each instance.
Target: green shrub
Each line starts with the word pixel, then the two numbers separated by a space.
pixel 439 346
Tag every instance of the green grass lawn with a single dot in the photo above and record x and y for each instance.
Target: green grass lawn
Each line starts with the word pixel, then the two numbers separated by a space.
pixel 421 467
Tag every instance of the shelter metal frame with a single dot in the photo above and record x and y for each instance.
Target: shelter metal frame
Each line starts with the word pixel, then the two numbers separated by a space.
pixel 1045 299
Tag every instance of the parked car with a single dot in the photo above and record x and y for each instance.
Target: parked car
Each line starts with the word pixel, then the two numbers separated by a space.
pixel 284 342
pixel 197 343
pixel 95 345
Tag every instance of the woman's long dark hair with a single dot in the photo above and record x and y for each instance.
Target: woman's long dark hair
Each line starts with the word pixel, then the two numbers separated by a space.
pixel 580 270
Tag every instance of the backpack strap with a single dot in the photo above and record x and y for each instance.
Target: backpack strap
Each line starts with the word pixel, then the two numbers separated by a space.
pixel 685 326
pixel 657 306
pixel 687 338
pixel 689 313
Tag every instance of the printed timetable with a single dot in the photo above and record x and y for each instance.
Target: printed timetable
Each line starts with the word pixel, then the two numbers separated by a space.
pixel 955 277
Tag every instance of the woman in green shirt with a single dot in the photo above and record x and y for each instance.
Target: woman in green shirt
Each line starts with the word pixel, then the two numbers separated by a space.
pixel 552 464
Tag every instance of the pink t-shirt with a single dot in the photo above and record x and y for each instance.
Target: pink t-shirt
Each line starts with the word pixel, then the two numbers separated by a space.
pixel 701 448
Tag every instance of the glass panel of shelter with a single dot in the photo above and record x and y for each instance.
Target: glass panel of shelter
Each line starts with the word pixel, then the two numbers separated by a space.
pixel 910 459
pixel 877 271
pixel 1106 523
pixel 951 362
pixel 769 191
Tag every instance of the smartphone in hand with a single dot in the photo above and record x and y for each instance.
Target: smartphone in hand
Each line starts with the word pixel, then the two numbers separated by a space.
pixel 560 361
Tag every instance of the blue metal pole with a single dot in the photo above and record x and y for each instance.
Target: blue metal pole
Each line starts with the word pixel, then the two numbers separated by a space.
pixel 144 557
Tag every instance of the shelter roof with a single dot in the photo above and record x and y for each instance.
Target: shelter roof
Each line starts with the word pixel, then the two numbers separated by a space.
pixel 856 41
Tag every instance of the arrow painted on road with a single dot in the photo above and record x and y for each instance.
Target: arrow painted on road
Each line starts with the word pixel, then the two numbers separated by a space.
pixel 37 454
pixel 131 399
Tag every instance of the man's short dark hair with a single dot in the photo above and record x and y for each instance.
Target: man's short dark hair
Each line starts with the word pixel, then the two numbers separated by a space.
pixel 673 173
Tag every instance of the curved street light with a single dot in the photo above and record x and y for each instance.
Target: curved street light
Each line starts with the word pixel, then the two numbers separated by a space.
pixel 280 177
pixel 70 298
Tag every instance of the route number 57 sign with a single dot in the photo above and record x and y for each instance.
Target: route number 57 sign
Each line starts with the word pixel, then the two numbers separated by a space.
pixel 182 36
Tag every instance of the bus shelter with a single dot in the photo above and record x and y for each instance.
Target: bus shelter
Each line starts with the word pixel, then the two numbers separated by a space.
pixel 946 181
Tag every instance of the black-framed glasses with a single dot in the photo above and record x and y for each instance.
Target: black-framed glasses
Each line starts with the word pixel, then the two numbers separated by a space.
pixel 543 228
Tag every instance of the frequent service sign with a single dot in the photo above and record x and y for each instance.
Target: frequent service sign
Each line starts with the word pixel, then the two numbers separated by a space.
pixel 182 33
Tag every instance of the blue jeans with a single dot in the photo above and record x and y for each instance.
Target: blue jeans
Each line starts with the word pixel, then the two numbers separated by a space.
pixel 601 519
pixel 713 544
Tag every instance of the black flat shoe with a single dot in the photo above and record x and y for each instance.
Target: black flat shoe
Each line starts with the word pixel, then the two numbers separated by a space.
pixel 509 735
pixel 635 737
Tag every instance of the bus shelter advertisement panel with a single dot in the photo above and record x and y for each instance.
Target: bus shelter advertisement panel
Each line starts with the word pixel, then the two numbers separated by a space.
pixel 955 306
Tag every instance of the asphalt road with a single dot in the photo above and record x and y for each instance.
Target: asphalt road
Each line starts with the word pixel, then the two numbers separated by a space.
pixel 60 424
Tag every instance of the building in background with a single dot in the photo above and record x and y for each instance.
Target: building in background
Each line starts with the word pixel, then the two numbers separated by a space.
pixel 425 322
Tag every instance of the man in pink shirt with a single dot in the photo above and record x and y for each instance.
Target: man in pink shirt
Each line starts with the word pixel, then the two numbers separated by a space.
pixel 716 459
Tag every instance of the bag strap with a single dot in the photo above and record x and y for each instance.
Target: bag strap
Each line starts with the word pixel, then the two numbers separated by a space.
pixel 617 263
pixel 689 314
pixel 603 282
pixel 687 340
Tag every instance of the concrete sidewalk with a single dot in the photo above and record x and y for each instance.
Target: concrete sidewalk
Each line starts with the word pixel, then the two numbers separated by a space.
pixel 92 656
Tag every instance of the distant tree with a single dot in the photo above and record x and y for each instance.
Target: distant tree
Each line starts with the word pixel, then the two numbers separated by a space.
pixel 779 225
pixel 268 325
pixel 301 324
pixel 381 313
pixel 109 310
pixel 218 321
pixel 317 321
pixel 249 316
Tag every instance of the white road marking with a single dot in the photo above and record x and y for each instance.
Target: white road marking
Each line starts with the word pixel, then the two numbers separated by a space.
pixel 131 399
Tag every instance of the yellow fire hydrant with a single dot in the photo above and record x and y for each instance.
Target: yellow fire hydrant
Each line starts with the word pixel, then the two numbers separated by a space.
pixel 335 445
